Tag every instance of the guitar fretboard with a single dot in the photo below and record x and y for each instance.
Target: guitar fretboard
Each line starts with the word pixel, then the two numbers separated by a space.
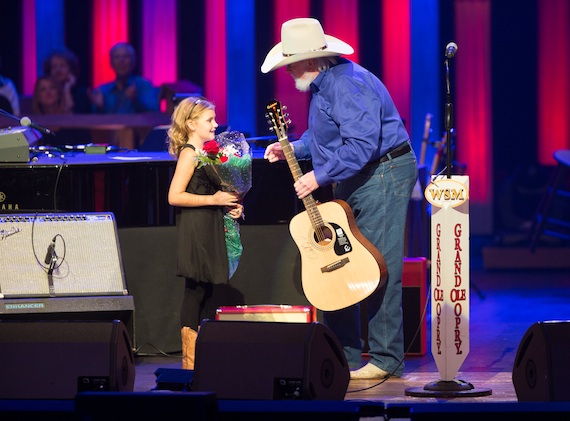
pixel 308 201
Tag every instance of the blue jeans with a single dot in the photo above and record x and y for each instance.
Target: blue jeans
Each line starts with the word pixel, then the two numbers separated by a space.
pixel 379 197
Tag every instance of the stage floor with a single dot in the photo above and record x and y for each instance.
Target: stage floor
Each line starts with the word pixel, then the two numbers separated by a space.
pixel 504 304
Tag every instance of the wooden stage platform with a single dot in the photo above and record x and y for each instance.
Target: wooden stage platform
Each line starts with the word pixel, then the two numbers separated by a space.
pixel 504 305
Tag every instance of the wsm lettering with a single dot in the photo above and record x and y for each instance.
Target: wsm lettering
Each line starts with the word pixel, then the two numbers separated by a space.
pixel 447 194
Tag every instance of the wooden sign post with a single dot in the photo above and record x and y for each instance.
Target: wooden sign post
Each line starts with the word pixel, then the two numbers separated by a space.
pixel 449 199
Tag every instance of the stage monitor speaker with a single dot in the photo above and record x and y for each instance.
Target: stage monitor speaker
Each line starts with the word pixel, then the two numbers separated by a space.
pixel 53 254
pixel 269 361
pixel 57 360
pixel 542 369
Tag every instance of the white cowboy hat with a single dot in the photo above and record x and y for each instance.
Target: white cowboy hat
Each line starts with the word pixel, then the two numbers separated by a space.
pixel 301 39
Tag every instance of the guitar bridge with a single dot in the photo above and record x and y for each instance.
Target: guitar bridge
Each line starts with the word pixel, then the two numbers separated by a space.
pixel 334 266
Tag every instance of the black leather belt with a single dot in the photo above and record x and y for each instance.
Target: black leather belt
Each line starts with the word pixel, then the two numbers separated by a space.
pixel 396 152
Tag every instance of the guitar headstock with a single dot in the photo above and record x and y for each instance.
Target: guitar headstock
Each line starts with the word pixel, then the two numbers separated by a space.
pixel 278 121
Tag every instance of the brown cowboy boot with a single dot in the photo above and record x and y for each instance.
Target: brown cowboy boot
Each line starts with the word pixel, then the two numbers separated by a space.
pixel 188 347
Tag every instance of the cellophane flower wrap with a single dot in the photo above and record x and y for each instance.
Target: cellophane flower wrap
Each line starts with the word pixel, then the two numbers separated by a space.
pixel 227 161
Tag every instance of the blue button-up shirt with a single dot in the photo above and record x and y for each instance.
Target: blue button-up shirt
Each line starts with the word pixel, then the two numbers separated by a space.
pixel 115 100
pixel 352 121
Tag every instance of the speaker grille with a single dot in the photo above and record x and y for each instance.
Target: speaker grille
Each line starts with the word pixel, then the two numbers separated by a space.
pixel 86 245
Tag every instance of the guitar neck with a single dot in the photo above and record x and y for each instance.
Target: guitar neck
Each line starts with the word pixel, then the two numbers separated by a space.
pixel 308 201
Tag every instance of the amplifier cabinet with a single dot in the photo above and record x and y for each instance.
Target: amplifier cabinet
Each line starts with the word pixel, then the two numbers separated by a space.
pixel 414 298
pixel 55 254
pixel 268 313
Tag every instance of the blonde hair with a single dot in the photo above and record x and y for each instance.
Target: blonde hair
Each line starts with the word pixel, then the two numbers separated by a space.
pixel 38 107
pixel 190 108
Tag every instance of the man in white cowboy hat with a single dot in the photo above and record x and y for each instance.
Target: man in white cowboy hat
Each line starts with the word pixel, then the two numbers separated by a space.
pixel 359 145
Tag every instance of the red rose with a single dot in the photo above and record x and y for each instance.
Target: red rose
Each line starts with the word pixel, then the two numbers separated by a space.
pixel 211 147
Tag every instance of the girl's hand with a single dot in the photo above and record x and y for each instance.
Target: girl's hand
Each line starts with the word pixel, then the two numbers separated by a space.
pixel 236 211
pixel 222 198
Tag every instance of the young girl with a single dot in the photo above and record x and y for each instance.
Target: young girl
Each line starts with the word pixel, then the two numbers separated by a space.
pixel 200 207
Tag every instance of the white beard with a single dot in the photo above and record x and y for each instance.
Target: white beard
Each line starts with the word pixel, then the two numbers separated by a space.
pixel 302 85
pixel 304 82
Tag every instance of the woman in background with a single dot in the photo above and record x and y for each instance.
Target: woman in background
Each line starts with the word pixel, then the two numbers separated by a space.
pixel 63 66
pixel 49 98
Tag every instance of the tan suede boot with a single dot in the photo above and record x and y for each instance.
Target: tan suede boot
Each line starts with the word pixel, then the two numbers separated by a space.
pixel 188 347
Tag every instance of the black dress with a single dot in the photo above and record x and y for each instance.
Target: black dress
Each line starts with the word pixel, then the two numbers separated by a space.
pixel 201 244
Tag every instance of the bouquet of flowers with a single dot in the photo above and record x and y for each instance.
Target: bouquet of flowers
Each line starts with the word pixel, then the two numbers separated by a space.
pixel 227 161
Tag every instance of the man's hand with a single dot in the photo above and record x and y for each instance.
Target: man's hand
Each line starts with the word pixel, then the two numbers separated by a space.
pixel 274 152
pixel 306 185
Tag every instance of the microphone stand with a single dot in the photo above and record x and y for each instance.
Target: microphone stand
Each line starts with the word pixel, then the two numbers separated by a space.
pixel 448 219
pixel 448 120
pixel 50 276
pixel 9 115
pixel 26 122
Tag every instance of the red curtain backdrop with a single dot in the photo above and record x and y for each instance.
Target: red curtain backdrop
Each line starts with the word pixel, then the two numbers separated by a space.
pixel 297 103
pixel 216 67
pixel 160 49
pixel 473 95
pixel 110 25
pixel 341 21
pixel 396 57
pixel 29 58
pixel 553 78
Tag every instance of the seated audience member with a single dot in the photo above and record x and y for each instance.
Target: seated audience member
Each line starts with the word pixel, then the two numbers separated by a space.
pixel 63 66
pixel 128 93
pixel 9 98
pixel 49 98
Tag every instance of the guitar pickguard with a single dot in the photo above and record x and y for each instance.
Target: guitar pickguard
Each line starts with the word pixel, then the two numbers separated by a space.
pixel 342 244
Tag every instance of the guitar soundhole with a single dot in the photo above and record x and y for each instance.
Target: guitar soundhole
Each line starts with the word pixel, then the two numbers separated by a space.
pixel 323 236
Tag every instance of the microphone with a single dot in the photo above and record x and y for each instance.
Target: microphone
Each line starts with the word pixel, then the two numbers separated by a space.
pixel 25 121
pixel 450 50
pixel 50 252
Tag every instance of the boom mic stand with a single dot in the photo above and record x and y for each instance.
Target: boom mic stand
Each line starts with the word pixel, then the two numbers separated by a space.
pixel 448 116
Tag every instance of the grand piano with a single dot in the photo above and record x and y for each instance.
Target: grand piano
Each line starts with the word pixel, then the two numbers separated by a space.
pixel 130 183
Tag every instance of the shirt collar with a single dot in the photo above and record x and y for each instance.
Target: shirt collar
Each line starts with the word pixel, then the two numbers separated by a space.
pixel 315 84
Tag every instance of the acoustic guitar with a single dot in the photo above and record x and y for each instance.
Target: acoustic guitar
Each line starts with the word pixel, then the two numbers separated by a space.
pixel 339 266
